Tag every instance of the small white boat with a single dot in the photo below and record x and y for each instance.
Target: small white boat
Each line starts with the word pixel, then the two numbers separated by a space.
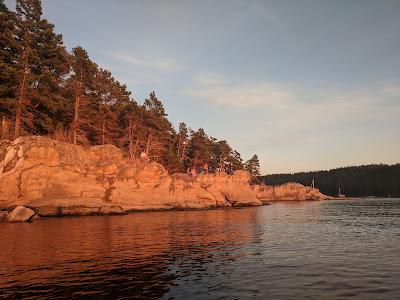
pixel 313 184
pixel 340 195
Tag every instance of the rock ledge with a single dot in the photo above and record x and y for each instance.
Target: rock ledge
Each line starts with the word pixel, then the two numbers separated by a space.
pixel 56 179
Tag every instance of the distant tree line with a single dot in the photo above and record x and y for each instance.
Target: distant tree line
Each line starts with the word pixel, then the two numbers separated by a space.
pixel 45 90
pixel 370 180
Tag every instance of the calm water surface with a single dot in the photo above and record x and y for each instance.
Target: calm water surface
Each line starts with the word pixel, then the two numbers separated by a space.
pixel 303 250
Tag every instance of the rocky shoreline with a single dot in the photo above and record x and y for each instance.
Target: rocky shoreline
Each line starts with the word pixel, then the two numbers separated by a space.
pixel 50 179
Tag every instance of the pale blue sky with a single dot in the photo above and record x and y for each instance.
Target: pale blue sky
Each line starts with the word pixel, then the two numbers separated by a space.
pixel 305 84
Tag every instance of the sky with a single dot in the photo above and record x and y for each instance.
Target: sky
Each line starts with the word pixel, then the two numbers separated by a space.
pixel 304 84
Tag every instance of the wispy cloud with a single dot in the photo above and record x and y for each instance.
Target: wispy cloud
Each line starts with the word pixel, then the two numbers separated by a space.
pixel 164 64
pixel 392 90
pixel 213 88
pixel 207 79
pixel 216 90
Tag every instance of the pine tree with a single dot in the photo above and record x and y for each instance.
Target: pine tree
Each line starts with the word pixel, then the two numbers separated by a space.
pixel 81 84
pixel 110 96
pixel 236 160
pixel 183 140
pixel 49 71
pixel 161 134
pixel 8 69
pixel 253 166
pixel 40 63
pixel 199 148
pixel 131 119
pixel 28 16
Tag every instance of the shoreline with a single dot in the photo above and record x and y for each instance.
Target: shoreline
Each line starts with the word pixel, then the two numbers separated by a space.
pixel 132 212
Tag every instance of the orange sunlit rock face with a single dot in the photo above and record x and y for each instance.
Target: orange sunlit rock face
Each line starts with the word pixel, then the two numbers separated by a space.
pixel 63 179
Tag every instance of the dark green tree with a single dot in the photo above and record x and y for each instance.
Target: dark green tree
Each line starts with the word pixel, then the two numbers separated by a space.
pixel 80 89
pixel 161 135
pixel 253 166
pixel 36 65
pixel 49 70
pixel 236 160
pixel 199 148
pixel 28 17
pixel 8 70
pixel 131 120
pixel 183 141
pixel 110 96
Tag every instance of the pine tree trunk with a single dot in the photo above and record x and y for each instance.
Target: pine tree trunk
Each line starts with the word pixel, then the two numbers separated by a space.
pixel 76 119
pixel 148 146
pixel 179 146
pixel 130 134
pixel 76 111
pixel 4 128
pixel 182 157
pixel 18 112
pixel 103 131
pixel 133 148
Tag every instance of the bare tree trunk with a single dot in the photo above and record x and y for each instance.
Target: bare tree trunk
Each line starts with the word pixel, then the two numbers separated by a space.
pixel 179 146
pixel 4 128
pixel 148 145
pixel 130 131
pixel 18 112
pixel 103 129
pixel 130 135
pixel 133 149
pixel 76 119
pixel 182 157
pixel 76 111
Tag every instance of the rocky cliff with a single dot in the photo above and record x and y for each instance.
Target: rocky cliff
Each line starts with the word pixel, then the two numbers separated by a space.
pixel 56 178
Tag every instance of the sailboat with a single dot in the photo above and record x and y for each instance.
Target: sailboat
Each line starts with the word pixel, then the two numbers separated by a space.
pixel 341 195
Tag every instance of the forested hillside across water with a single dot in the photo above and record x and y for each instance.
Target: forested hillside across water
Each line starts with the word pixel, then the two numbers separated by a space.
pixel 47 90
pixel 370 180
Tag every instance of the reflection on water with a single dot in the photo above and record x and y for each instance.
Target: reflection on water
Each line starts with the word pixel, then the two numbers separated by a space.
pixel 309 250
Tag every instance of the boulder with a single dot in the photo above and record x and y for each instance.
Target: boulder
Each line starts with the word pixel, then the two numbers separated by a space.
pixel 111 210
pixel 20 214
pixel 3 215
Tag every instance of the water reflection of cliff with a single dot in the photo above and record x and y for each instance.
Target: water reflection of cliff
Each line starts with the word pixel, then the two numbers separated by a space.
pixel 139 255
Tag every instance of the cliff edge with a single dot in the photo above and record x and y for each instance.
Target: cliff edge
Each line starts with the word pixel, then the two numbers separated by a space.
pixel 55 178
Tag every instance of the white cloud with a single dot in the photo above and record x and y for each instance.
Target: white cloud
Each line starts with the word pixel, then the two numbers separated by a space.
pixel 214 89
pixel 319 101
pixel 208 79
pixel 392 90
pixel 163 64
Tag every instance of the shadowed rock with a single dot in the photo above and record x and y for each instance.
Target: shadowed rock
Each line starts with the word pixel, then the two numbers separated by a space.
pixel 3 215
pixel 111 210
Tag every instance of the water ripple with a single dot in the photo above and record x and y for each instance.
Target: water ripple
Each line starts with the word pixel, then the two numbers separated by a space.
pixel 302 250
